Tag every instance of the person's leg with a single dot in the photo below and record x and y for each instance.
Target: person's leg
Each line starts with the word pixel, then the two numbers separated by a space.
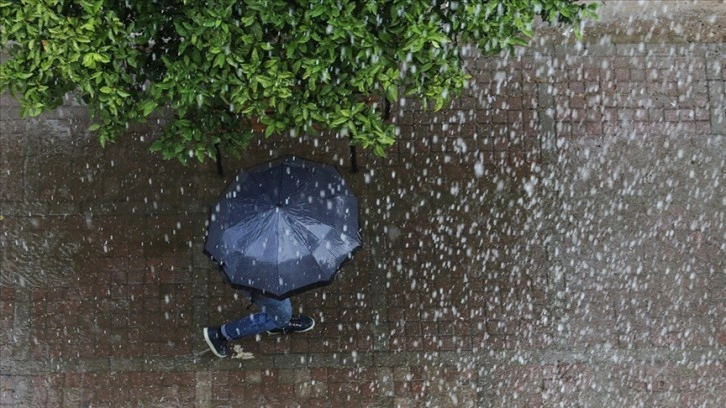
pixel 273 314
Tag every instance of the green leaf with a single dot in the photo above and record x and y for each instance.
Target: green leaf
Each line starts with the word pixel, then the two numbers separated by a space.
pixel 200 154
pixel 317 11
pixel 269 130
pixel 89 61
pixel 219 61
pixel 338 121
pixel 147 107
pixel 392 93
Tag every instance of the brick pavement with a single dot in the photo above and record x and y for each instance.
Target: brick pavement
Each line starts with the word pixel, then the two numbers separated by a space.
pixel 555 238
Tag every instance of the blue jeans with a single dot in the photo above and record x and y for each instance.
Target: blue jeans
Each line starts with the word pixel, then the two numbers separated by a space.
pixel 273 314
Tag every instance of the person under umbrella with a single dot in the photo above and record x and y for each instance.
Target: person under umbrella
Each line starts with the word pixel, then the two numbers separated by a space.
pixel 279 229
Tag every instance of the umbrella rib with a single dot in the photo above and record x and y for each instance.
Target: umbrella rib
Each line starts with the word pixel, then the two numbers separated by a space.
pixel 310 250
pixel 341 233
pixel 244 226
pixel 279 186
pixel 282 179
pixel 297 226
pixel 331 226
pixel 299 187
pixel 258 186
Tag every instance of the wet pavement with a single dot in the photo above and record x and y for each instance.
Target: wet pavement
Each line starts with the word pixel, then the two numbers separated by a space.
pixel 555 238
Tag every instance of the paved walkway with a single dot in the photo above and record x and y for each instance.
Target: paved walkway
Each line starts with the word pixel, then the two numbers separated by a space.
pixel 556 238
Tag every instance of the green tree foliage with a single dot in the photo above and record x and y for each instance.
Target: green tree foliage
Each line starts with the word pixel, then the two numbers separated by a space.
pixel 219 65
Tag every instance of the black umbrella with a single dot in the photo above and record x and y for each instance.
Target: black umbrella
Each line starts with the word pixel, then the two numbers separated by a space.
pixel 284 227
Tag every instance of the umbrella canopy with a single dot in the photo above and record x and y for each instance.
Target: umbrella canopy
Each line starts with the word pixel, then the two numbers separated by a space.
pixel 284 227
